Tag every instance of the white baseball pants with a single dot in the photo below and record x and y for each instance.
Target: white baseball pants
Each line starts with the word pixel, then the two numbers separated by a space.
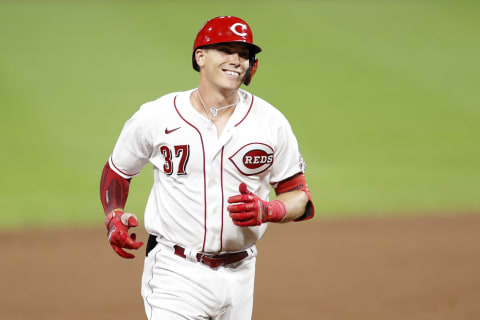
pixel 175 288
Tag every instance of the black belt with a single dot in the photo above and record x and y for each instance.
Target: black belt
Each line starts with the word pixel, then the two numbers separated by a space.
pixel 212 260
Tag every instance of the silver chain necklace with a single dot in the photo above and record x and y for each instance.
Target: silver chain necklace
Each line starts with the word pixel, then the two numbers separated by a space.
pixel 213 110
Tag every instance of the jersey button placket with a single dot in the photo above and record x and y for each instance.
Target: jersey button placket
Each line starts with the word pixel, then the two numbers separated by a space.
pixel 214 198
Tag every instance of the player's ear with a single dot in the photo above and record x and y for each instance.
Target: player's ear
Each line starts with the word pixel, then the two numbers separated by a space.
pixel 200 57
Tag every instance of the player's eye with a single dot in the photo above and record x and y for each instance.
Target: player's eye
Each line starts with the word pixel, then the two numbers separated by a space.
pixel 226 50
pixel 244 54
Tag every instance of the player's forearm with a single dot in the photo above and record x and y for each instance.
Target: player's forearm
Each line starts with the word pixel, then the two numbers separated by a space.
pixel 113 190
pixel 295 203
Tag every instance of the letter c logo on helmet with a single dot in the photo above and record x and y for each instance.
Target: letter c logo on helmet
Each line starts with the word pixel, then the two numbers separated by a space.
pixel 242 26
pixel 227 29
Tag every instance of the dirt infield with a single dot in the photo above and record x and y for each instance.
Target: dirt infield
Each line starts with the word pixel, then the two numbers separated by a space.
pixel 398 268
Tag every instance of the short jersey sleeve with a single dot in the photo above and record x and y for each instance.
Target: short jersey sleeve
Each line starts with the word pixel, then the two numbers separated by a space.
pixel 133 148
pixel 287 158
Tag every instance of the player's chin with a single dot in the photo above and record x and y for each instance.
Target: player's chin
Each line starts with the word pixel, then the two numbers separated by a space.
pixel 231 82
pixel 234 86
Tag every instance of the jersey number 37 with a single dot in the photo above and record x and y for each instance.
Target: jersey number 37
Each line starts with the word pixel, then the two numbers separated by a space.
pixel 182 152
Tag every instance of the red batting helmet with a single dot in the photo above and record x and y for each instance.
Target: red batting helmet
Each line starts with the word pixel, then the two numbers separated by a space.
pixel 227 29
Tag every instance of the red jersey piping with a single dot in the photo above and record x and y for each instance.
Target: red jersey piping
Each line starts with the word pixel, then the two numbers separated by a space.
pixel 250 108
pixel 221 184
pixel 126 174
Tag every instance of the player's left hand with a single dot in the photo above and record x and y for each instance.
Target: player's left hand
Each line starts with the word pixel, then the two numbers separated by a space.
pixel 118 223
pixel 250 210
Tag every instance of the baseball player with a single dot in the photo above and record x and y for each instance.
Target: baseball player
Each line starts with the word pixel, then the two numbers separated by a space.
pixel 216 150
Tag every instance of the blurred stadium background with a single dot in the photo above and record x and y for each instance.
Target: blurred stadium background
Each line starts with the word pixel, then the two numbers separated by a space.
pixel 382 95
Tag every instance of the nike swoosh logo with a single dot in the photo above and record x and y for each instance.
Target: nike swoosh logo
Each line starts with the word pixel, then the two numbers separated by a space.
pixel 170 131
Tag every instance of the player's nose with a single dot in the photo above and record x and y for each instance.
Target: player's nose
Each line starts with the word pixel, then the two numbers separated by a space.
pixel 234 58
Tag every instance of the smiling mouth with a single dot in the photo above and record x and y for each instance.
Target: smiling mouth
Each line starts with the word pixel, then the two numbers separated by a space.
pixel 231 73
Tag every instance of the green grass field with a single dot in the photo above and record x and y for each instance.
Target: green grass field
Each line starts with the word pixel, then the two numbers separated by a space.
pixel 383 97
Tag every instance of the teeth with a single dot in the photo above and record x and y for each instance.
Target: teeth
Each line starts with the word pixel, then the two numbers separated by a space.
pixel 233 73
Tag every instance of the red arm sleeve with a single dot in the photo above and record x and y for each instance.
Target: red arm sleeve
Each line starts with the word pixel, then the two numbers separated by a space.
pixel 297 182
pixel 113 190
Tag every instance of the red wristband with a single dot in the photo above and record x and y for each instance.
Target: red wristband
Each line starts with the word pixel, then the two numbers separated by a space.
pixel 276 211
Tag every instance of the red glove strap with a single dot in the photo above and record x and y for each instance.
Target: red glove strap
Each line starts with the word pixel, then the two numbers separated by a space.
pixel 111 215
pixel 276 211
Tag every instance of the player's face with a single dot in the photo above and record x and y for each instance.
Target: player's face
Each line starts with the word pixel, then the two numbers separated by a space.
pixel 225 64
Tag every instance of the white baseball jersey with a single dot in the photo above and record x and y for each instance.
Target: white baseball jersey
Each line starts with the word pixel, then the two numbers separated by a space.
pixel 196 171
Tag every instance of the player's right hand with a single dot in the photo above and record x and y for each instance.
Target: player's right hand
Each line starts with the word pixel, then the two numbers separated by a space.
pixel 118 223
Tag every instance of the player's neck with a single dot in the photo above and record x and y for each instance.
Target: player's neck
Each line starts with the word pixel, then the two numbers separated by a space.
pixel 216 104
pixel 217 97
pixel 219 117
pixel 212 113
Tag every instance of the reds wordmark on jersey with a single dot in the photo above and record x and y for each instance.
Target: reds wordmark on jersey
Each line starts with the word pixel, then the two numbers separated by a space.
pixel 195 170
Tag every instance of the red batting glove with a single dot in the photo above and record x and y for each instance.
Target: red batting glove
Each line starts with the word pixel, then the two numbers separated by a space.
pixel 118 224
pixel 250 210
